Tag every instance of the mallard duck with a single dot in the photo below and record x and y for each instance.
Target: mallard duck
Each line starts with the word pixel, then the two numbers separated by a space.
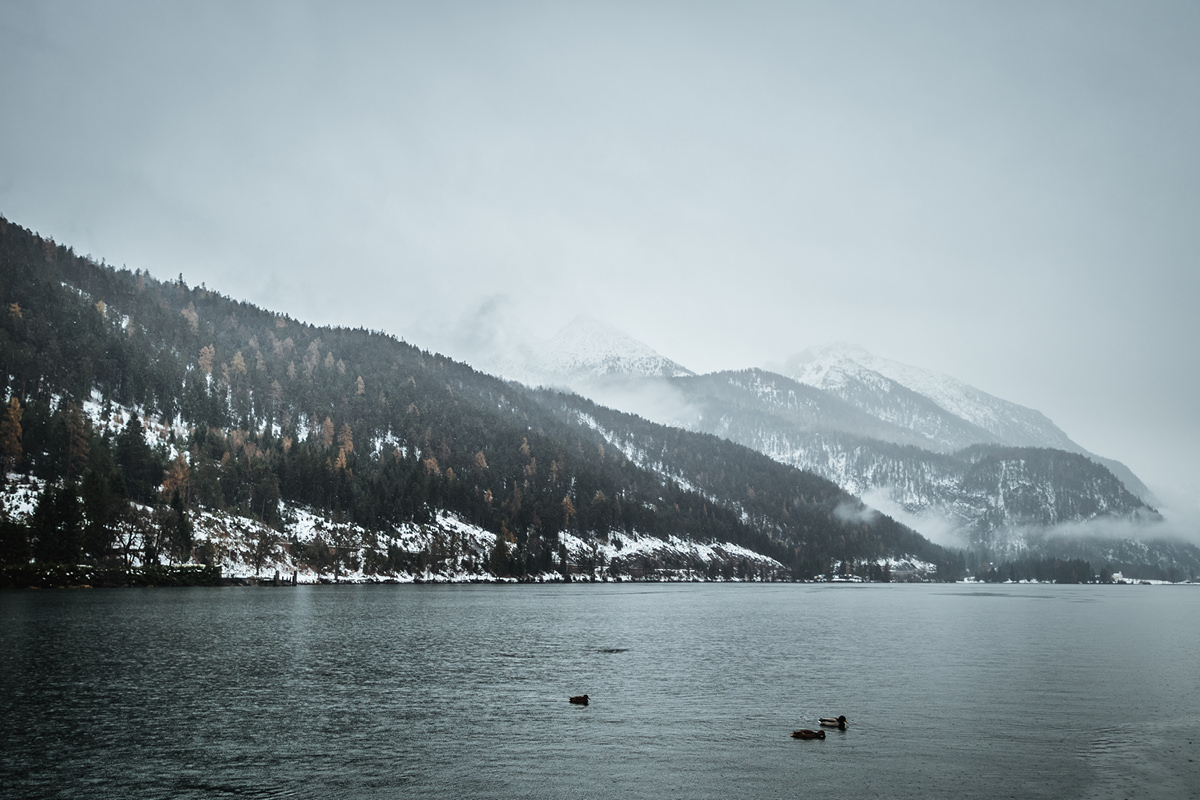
pixel 580 699
pixel 830 722
pixel 807 734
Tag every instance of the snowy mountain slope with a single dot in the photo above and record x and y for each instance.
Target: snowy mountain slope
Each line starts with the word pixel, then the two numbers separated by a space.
pixel 941 453
pixel 950 414
pixel 588 351
pixel 811 428
pixel 806 407
pixel 987 496
pixel 987 493
pixel 954 414
pixel 796 507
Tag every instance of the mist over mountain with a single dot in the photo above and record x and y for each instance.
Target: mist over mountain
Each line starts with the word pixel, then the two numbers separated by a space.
pixel 963 466
pixel 585 352
pixel 150 422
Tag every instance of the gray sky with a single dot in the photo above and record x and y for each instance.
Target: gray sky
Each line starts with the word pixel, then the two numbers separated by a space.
pixel 1006 192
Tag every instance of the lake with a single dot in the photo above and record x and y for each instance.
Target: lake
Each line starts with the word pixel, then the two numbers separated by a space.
pixel 1022 691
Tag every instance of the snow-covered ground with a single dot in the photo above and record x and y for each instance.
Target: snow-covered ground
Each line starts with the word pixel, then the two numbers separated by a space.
pixel 311 548
pixel 446 550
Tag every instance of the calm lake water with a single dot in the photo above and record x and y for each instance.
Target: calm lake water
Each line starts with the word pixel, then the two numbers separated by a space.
pixel 461 691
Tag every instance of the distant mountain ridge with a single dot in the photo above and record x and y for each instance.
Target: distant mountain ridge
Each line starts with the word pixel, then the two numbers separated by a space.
pixel 864 379
pixel 991 494
pixel 937 451
pixel 950 414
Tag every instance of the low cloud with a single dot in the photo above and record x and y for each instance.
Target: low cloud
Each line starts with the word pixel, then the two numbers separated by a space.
pixel 491 335
pixel 937 528
pixel 1139 528
pixel 853 512
pixel 655 399
pixel 1181 513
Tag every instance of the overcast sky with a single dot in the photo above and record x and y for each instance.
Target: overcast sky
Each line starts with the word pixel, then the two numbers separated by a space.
pixel 1005 192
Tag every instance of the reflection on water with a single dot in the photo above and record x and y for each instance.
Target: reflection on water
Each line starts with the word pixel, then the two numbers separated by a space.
pixel 424 691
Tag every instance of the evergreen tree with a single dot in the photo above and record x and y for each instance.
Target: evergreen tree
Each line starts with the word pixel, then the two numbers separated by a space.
pixel 102 491
pixel 138 463
pixel 57 526
pixel 14 541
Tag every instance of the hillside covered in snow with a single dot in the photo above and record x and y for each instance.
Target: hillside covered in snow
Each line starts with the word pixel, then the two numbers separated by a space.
pixel 947 413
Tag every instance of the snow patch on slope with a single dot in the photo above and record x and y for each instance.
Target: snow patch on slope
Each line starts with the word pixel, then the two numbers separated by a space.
pixel 838 367
pixel 588 349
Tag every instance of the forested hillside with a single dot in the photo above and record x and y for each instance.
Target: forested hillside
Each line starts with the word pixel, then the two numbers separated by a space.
pixel 806 516
pixel 986 489
pixel 254 408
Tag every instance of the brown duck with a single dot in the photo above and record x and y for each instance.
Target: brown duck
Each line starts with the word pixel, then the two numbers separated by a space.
pixel 807 734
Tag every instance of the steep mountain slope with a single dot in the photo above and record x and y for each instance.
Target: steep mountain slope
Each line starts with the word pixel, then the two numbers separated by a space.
pixel 265 417
pixel 797 509
pixel 588 347
pixel 989 493
pixel 950 414
pixel 945 456
pixel 757 404
pixel 866 380
pixel 586 352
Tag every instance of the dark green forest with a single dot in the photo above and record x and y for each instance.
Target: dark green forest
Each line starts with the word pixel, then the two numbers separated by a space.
pixel 805 520
pixel 1045 569
pixel 351 423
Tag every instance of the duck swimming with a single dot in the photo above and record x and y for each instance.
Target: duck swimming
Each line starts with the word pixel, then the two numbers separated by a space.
pixel 807 734
pixel 830 722
pixel 579 700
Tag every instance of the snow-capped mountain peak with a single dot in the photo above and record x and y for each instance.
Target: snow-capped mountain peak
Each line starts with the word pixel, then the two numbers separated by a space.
pixel 846 370
pixel 588 348
pixel 951 414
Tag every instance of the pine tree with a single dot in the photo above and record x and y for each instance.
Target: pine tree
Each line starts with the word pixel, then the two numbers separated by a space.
pixel 14 541
pixel 78 442
pixel 499 555
pixel 104 504
pixel 137 462
pixel 57 526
